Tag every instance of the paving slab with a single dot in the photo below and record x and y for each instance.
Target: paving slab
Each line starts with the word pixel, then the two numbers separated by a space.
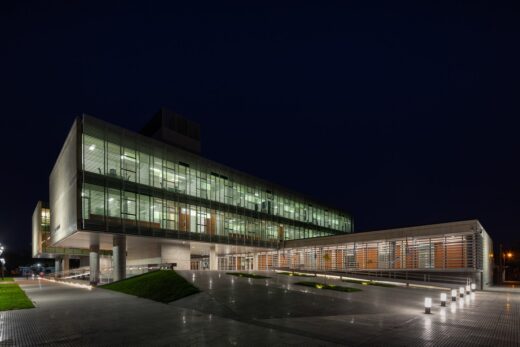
pixel 69 316
pixel 258 312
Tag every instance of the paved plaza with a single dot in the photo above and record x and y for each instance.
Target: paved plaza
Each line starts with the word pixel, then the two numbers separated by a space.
pixel 242 311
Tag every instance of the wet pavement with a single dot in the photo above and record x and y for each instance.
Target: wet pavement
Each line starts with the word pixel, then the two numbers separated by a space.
pixel 241 311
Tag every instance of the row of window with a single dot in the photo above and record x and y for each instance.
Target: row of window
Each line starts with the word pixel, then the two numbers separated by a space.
pixel 103 205
pixel 428 253
pixel 107 158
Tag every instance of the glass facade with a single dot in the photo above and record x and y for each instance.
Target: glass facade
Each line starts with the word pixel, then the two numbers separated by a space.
pixel 461 252
pixel 136 185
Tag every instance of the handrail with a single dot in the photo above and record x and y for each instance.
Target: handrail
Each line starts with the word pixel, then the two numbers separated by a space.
pixel 401 275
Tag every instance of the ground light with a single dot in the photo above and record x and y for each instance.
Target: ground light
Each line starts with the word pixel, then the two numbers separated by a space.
pixel 473 287
pixel 454 295
pixel 427 305
pixel 468 289
pixel 461 292
pixel 443 299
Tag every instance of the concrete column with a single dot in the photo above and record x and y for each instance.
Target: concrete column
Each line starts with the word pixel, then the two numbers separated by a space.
pixel 119 258
pixel 213 261
pixel 94 264
pixel 255 261
pixel 66 263
pixel 57 265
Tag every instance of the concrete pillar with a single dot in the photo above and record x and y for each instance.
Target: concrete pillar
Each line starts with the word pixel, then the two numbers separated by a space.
pixel 119 258
pixel 57 265
pixel 179 254
pixel 66 263
pixel 255 261
pixel 94 264
pixel 213 261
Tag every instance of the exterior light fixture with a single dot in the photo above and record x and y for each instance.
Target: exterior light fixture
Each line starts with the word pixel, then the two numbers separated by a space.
pixel 443 299
pixel 427 305
pixel 454 295
pixel 468 289
pixel 461 292
pixel 473 287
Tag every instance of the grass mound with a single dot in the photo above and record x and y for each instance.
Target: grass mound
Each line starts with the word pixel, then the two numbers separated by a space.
pixel 245 274
pixel 318 285
pixel 163 286
pixel 12 297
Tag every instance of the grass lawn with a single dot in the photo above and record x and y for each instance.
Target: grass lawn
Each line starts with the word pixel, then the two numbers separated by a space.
pixel 299 274
pixel 163 286
pixel 245 274
pixel 318 285
pixel 7 279
pixel 12 297
pixel 369 283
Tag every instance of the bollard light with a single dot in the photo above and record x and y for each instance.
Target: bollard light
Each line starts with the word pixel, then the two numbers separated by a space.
pixel 443 299
pixel 461 292
pixel 473 287
pixel 427 305
pixel 468 289
pixel 454 295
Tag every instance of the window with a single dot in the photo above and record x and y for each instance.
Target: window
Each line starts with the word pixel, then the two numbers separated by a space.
pixel 129 206
pixel 113 160
pixel 170 216
pixel 93 155
pixel 129 165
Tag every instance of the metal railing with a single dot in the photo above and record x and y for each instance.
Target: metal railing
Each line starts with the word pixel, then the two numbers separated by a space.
pixel 82 274
pixel 401 276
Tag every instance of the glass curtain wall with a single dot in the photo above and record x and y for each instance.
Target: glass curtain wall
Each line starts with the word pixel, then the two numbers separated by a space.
pixel 174 181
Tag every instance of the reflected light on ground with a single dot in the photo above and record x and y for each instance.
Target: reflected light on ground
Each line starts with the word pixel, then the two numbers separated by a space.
pixel 453 307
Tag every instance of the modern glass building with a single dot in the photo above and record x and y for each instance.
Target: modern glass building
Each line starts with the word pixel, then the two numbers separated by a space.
pixel 112 181
pixel 121 201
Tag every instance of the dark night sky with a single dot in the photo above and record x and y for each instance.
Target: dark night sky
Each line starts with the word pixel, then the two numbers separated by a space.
pixel 401 115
